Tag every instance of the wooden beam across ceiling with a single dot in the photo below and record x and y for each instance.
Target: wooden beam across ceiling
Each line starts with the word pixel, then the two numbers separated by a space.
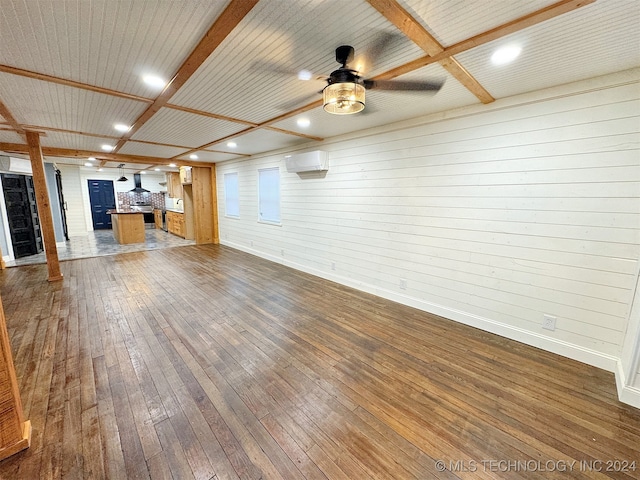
pixel 72 83
pixel 8 116
pixel 496 33
pixel 107 157
pixel 408 25
pixel 224 24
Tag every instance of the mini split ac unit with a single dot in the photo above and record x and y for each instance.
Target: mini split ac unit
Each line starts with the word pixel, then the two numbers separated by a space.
pixel 315 161
pixel 15 165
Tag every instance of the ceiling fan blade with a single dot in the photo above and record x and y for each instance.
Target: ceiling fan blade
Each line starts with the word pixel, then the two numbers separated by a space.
pixel 407 86
pixel 300 101
pixel 364 62
pixel 279 69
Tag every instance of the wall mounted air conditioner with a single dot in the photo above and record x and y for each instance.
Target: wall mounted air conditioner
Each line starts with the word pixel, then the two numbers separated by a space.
pixel 316 161
pixel 15 165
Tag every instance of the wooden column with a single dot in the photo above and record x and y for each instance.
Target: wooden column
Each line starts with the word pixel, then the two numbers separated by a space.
pixel 15 432
pixel 44 206
pixel 214 203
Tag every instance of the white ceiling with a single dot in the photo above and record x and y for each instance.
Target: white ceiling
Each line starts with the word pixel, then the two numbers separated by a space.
pixel 72 68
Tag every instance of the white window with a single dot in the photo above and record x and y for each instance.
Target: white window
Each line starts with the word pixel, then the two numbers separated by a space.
pixel 231 195
pixel 269 195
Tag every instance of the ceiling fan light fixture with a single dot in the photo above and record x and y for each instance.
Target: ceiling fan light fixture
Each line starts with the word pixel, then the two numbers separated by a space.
pixel 343 98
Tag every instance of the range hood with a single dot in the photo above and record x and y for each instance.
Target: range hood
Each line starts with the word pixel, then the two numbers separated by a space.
pixel 137 179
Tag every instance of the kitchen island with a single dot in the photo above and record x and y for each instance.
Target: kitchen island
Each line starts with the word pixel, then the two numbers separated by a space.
pixel 128 226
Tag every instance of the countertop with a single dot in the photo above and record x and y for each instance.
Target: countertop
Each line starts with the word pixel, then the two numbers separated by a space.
pixel 122 212
pixel 174 210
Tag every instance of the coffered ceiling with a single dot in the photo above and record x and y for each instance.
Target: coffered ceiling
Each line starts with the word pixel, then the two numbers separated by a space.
pixel 71 69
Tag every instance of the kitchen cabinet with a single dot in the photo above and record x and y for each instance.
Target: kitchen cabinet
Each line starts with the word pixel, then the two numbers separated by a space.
pixel 185 175
pixel 174 185
pixel 128 227
pixel 157 218
pixel 175 223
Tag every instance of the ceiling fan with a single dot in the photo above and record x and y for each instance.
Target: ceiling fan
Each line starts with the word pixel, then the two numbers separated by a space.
pixel 345 90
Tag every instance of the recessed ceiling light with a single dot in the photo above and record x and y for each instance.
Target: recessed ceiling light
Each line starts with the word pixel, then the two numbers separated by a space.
pixel 88 164
pixel 107 148
pixel 172 165
pixel 91 159
pixel 101 169
pixel 303 122
pixel 193 156
pixel 232 144
pixel 121 127
pixel 304 75
pixel 156 169
pixel 505 54
pixel 154 81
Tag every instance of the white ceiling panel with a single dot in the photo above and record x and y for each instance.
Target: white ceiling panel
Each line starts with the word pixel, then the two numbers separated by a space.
pixel 188 129
pixel 103 42
pixel 208 156
pixel 149 150
pixel 262 140
pixel 131 167
pixel 289 34
pixel 74 141
pixel 451 21
pixel 39 103
pixel 66 160
pixel 10 137
pixel 558 51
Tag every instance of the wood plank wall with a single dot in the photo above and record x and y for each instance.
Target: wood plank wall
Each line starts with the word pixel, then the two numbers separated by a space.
pixel 491 215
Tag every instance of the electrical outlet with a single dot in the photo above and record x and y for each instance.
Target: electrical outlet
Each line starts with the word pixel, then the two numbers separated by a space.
pixel 403 284
pixel 252 243
pixel 282 252
pixel 549 322
pixel 333 265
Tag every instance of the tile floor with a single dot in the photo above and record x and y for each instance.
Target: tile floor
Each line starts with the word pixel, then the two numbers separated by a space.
pixel 101 242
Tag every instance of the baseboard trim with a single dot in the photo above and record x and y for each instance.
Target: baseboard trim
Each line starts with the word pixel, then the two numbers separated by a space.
pixel 626 393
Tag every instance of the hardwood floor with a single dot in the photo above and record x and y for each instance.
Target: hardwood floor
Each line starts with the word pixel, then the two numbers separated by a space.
pixel 205 362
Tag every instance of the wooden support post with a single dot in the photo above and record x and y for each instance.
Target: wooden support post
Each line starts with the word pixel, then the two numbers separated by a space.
pixel 44 206
pixel 214 203
pixel 15 432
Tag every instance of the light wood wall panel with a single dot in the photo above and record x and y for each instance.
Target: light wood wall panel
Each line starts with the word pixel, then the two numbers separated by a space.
pixel 491 215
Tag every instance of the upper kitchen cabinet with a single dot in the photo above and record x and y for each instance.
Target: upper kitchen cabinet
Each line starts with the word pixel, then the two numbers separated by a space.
pixel 174 185
pixel 185 175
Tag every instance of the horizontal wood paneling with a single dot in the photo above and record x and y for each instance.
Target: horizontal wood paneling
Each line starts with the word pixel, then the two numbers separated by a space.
pixel 504 215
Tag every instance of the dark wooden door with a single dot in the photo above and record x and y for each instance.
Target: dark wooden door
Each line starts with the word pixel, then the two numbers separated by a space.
pixel 102 198
pixel 22 214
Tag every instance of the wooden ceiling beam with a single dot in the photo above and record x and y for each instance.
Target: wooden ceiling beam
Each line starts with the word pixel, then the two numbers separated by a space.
pixel 496 33
pixel 408 25
pixel 221 28
pixel 8 116
pixel 71 83
pixel 106 157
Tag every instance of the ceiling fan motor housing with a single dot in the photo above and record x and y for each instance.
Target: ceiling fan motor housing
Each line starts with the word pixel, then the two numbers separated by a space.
pixel 344 54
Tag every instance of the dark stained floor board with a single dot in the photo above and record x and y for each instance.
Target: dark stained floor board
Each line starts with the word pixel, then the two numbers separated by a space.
pixel 205 362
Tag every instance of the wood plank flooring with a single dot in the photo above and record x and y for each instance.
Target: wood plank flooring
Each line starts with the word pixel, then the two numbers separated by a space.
pixel 204 362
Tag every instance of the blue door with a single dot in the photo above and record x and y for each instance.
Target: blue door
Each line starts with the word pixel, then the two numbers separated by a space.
pixel 102 198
